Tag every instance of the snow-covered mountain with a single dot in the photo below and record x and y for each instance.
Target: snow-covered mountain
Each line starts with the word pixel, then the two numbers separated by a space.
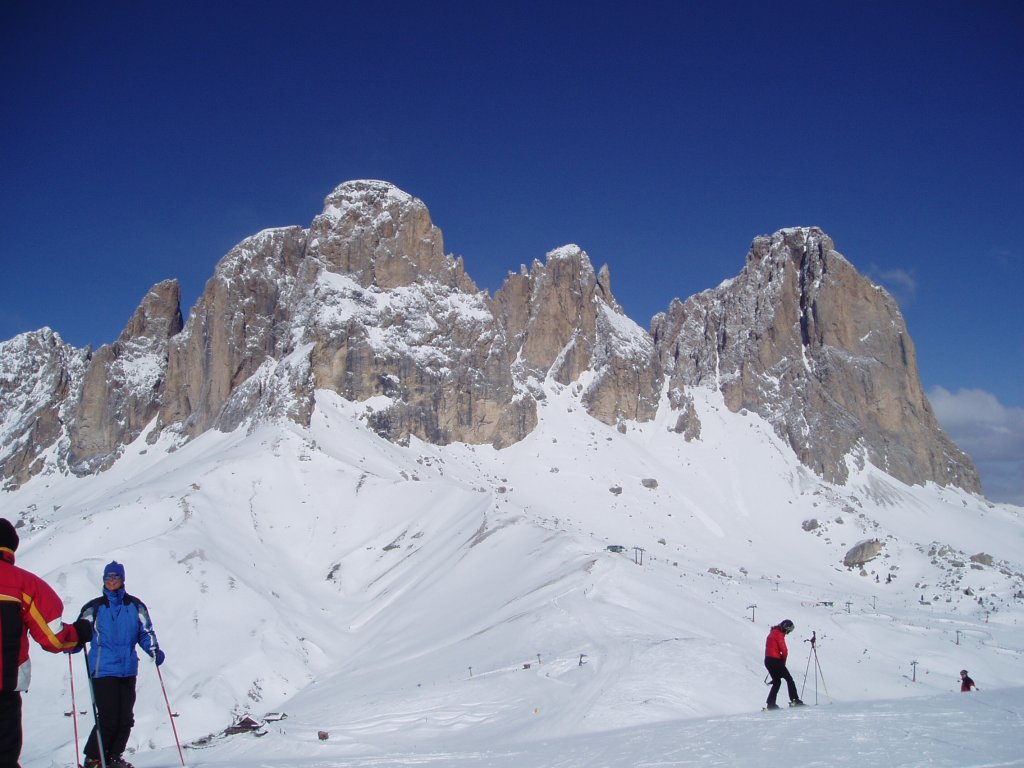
pixel 365 303
pixel 432 526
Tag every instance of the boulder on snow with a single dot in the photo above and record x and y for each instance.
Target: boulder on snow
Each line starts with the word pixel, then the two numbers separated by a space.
pixel 863 552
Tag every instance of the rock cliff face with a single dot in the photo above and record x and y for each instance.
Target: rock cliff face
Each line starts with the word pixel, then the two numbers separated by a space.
pixel 390 315
pixel 123 382
pixel 805 341
pixel 242 319
pixel 366 303
pixel 40 379
pixel 562 321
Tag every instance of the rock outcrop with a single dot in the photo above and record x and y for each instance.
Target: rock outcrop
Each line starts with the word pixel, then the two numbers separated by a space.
pixel 366 303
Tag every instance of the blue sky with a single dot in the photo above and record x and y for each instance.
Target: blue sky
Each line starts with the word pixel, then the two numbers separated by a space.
pixel 141 141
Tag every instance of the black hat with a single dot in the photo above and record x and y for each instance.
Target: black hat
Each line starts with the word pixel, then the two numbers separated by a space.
pixel 8 536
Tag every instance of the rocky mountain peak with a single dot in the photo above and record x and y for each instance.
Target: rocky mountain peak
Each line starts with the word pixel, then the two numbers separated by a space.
pixel 382 236
pixel 562 321
pixel 158 316
pixel 801 338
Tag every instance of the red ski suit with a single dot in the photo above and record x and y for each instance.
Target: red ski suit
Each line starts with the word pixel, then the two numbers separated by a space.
pixel 775 654
pixel 27 605
pixel 775 645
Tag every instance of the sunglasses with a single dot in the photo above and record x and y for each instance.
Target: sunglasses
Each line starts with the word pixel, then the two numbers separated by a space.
pixel 112 577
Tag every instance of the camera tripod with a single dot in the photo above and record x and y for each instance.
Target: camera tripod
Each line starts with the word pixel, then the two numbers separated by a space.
pixel 813 640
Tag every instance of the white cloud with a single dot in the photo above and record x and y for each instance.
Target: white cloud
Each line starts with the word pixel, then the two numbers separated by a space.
pixel 900 282
pixel 900 278
pixel 993 435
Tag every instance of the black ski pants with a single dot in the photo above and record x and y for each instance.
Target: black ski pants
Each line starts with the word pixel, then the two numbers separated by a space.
pixel 115 703
pixel 777 669
pixel 10 729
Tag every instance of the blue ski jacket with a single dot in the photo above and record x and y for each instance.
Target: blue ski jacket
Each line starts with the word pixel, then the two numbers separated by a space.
pixel 119 622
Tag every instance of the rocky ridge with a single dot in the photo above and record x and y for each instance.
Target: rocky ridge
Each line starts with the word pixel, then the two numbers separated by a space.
pixel 366 303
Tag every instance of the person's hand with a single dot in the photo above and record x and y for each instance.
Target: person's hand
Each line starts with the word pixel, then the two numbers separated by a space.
pixel 159 656
pixel 83 628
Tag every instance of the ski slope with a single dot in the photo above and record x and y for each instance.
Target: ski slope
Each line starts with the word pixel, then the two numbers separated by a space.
pixel 458 605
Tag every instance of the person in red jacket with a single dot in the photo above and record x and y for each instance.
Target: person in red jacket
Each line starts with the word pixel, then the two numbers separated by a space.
pixel 775 654
pixel 965 682
pixel 28 606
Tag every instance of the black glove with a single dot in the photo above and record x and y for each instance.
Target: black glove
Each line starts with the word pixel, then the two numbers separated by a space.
pixel 83 627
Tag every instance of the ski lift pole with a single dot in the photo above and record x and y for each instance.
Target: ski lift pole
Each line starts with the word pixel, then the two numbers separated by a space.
pixel 74 704
pixel 170 714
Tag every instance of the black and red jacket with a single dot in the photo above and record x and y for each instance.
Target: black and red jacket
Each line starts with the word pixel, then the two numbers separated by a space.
pixel 28 605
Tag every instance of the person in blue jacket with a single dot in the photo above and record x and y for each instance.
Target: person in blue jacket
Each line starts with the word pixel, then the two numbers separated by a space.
pixel 119 622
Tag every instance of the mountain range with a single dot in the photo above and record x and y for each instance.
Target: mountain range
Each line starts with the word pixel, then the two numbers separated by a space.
pixel 365 303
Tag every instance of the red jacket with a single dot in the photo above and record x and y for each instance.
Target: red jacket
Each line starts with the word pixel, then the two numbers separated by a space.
pixel 775 645
pixel 27 605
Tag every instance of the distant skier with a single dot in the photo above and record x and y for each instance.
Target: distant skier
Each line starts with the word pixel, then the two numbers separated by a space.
pixel 28 606
pixel 120 622
pixel 965 682
pixel 775 654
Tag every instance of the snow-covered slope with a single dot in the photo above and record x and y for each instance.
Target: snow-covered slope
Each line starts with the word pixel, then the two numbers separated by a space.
pixel 459 604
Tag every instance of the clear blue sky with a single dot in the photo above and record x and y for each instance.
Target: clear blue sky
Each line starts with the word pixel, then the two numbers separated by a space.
pixel 142 140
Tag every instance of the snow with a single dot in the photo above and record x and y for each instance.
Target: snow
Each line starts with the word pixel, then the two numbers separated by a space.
pixel 362 197
pixel 459 606
pixel 628 338
pixel 418 322
pixel 569 251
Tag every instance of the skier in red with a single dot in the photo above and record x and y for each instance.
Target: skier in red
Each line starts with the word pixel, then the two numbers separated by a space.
pixel 775 654
pixel 28 606
pixel 965 682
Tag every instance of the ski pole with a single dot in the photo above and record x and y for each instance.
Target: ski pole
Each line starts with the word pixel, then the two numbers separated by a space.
pixel 95 711
pixel 170 714
pixel 74 705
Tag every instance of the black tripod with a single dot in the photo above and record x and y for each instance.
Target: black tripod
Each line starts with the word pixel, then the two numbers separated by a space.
pixel 813 640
